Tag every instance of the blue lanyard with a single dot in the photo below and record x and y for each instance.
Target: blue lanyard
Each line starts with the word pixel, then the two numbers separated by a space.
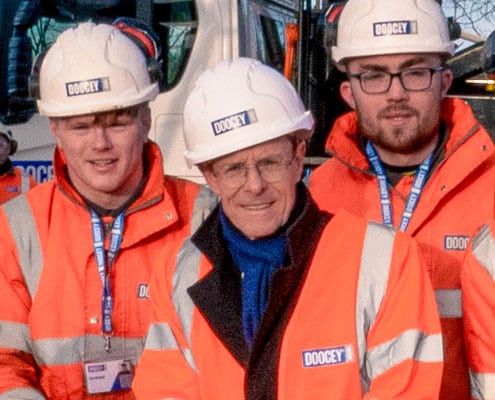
pixel 414 194
pixel 104 261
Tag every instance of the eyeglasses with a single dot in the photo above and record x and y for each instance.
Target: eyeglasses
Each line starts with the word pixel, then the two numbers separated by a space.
pixel 412 80
pixel 272 169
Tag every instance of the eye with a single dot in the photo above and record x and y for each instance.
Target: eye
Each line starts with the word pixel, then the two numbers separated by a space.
pixel 416 73
pixel 270 163
pixel 233 169
pixel 373 75
pixel 78 128
pixel 120 123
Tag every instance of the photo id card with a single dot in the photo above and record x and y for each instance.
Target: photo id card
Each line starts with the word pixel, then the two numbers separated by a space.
pixel 108 376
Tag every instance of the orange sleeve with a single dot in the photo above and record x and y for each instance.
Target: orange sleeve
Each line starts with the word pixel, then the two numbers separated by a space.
pixel 17 366
pixel 163 371
pixel 404 345
pixel 478 303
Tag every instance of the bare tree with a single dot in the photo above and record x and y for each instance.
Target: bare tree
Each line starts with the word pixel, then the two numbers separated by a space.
pixel 474 16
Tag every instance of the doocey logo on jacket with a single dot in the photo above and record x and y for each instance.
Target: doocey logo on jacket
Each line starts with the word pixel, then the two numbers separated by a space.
pixel 328 356
pixel 455 242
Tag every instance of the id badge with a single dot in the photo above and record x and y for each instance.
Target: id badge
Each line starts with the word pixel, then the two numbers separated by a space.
pixel 108 376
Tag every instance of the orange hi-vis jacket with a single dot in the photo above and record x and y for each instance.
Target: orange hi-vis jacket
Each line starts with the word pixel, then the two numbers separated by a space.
pixel 51 289
pixel 351 316
pixel 452 205
pixel 13 183
pixel 478 302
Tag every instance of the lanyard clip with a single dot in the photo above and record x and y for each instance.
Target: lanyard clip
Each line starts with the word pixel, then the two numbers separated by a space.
pixel 108 347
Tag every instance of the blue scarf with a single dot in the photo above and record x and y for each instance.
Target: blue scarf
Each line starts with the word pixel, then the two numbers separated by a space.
pixel 257 260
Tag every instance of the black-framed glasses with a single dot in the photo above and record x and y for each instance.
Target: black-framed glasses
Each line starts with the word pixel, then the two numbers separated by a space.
pixel 412 79
pixel 272 169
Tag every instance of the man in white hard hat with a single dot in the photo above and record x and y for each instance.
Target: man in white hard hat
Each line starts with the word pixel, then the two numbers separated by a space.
pixel 13 181
pixel 407 155
pixel 76 252
pixel 271 298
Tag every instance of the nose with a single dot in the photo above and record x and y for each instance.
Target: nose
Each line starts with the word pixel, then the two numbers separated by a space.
pixel 397 92
pixel 255 182
pixel 101 138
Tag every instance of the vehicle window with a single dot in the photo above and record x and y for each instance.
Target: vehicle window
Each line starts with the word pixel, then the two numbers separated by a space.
pixel 273 36
pixel 176 24
pixel 36 25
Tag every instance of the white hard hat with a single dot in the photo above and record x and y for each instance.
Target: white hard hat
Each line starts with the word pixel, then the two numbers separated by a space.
pixel 93 68
pixel 380 27
pixel 238 104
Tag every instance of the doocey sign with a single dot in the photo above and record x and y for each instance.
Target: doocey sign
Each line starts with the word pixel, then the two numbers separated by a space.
pixel 41 170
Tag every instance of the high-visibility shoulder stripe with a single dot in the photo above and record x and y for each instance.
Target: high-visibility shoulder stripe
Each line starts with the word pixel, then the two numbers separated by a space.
pixel 24 182
pixel 426 348
pixel 15 336
pixel 449 303
pixel 372 281
pixel 22 393
pixel 483 245
pixel 64 351
pixel 204 203
pixel 185 275
pixel 482 385
pixel 23 228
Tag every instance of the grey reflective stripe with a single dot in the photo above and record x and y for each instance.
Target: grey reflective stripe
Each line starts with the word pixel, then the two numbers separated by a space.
pixel 22 394
pixel 482 385
pixel 483 245
pixel 25 234
pixel 449 303
pixel 63 351
pixel 372 284
pixel 161 337
pixel 185 275
pixel 204 203
pixel 24 182
pixel 426 348
pixel 15 336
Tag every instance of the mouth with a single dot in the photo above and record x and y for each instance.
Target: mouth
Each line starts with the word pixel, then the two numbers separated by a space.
pixel 102 164
pixel 257 207
pixel 397 115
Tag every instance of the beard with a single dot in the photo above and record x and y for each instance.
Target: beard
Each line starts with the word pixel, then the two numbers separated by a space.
pixel 405 140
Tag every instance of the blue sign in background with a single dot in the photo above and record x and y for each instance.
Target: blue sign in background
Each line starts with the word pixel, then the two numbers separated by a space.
pixel 41 170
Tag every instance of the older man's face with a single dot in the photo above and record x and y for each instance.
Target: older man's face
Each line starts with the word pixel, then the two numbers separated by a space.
pixel 257 186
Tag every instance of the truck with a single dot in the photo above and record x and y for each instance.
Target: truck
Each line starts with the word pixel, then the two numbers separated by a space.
pixel 292 36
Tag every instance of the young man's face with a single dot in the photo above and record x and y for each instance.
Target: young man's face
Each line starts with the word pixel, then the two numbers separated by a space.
pixel 4 149
pixel 398 121
pixel 259 200
pixel 104 152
